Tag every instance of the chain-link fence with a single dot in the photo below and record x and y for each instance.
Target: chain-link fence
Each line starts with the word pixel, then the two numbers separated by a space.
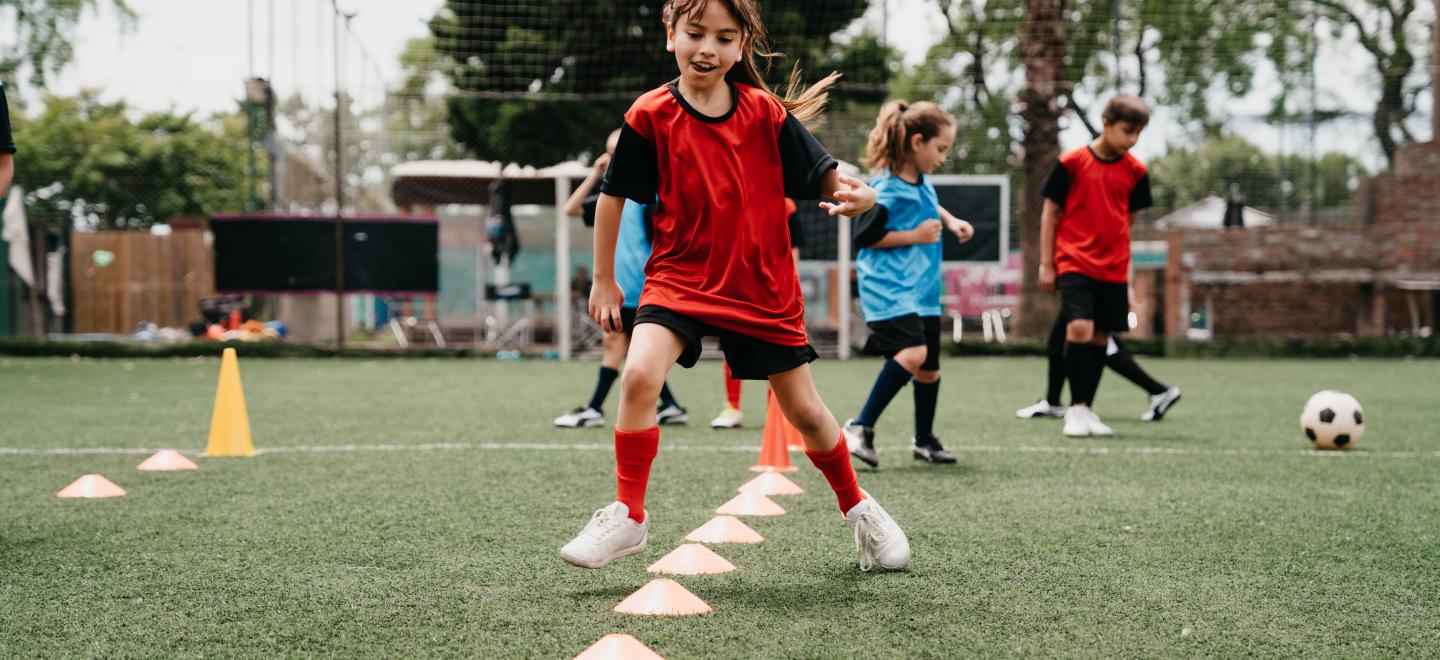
pixel 453 174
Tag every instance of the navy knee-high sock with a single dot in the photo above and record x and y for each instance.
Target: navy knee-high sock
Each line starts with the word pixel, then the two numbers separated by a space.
pixel 666 398
pixel 926 396
pixel 892 377
pixel 602 387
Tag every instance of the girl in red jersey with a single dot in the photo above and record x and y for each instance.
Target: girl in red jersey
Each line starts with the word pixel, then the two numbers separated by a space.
pixel 721 152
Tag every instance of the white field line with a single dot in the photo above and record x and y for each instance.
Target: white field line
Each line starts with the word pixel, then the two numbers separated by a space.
pixel 606 447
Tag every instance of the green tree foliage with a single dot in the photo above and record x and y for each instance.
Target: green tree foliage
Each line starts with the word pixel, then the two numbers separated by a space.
pixel 1187 174
pixel 44 32
pixel 88 163
pixel 540 81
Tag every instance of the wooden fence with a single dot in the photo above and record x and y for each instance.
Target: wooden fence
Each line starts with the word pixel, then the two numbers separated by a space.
pixel 121 278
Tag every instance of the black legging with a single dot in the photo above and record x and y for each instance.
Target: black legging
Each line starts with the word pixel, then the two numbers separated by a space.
pixel 1120 362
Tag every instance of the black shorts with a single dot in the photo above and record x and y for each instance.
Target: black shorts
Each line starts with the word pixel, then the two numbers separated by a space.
pixel 891 336
pixel 749 358
pixel 627 320
pixel 1105 303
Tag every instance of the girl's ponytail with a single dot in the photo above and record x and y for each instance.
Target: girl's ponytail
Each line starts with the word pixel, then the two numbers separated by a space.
pixel 889 141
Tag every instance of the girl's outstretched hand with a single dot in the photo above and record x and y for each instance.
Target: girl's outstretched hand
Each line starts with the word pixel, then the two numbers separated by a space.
pixel 605 301
pixel 853 195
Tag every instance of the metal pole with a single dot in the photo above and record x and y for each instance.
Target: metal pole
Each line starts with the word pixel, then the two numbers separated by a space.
pixel 563 304
pixel 1314 121
pixel 842 286
pixel 339 191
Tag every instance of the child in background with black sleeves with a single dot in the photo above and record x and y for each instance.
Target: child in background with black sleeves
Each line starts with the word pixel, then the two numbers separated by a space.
pixel 721 152
pixel 1091 199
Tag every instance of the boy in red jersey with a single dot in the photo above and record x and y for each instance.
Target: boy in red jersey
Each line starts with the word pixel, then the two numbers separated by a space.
pixel 721 152
pixel 1091 199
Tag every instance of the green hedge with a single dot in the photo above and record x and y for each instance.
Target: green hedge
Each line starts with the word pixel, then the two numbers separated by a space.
pixel 1238 348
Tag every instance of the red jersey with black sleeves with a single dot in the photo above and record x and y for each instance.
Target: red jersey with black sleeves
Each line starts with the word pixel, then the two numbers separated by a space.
pixel 721 246
pixel 1096 197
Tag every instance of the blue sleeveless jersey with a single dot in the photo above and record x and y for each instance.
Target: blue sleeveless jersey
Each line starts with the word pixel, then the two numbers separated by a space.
pixel 901 280
pixel 632 250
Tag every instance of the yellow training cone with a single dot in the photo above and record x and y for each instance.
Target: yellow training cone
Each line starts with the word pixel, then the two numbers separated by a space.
pixel 230 424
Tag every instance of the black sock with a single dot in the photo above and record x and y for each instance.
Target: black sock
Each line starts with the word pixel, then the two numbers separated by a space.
pixel 1097 369
pixel 1080 361
pixel 1055 350
pixel 666 398
pixel 602 387
pixel 926 396
pixel 892 377
pixel 1125 365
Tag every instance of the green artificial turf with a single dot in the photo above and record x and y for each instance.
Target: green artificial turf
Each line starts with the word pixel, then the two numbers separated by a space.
pixel 435 530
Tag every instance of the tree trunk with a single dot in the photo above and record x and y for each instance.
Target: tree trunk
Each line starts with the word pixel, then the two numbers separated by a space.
pixel 1043 42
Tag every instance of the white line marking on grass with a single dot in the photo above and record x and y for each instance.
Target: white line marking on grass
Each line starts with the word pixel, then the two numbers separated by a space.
pixel 544 446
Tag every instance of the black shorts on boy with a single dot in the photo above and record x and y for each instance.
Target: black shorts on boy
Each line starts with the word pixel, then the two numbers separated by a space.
pixel 749 358
pixel 1086 298
pixel 891 336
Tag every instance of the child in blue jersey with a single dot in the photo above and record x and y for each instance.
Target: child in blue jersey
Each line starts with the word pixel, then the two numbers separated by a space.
pixel 632 250
pixel 899 271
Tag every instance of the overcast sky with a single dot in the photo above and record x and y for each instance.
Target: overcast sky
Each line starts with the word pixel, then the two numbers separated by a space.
pixel 194 54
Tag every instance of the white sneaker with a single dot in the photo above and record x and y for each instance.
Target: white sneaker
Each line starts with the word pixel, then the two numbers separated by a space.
pixel 1041 408
pixel 1160 404
pixel 731 418
pixel 671 415
pixel 879 539
pixel 610 534
pixel 580 417
pixel 1096 426
pixel 1077 422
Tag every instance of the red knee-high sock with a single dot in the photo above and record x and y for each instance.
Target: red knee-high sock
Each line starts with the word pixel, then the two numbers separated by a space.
pixel 634 451
pixel 732 389
pixel 835 465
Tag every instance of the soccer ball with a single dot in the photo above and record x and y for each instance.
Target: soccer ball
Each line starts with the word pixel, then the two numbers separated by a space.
pixel 1332 420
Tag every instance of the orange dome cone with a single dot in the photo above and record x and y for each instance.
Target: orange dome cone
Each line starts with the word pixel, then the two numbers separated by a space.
pixel 618 646
pixel 91 486
pixel 774 446
pixel 771 483
pixel 691 559
pixel 724 529
pixel 751 504
pixel 662 597
pixel 167 460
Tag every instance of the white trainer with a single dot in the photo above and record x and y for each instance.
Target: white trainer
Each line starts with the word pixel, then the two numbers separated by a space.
pixel 878 538
pixel 731 418
pixel 610 534
pixel 580 417
pixel 1096 426
pixel 1041 408
pixel 1160 404
pixel 1077 422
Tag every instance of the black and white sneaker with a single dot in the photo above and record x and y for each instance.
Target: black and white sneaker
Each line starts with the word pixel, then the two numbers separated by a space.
pixel 1160 404
pixel 861 440
pixel 930 450
pixel 1041 408
pixel 580 417
pixel 671 415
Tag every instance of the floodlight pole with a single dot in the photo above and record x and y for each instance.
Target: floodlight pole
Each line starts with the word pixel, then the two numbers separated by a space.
pixel 339 191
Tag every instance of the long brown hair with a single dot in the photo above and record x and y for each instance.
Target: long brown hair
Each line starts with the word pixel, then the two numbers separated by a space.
pixel 889 141
pixel 805 103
